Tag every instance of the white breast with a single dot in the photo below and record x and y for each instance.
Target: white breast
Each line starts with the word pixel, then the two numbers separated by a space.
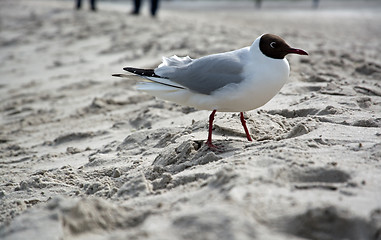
pixel 264 78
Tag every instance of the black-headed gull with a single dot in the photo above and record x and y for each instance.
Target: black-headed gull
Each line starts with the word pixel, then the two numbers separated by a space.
pixel 235 81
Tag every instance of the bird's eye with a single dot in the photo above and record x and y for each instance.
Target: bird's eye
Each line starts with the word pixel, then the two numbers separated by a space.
pixel 272 44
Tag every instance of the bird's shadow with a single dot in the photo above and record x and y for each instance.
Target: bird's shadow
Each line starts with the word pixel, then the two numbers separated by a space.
pixel 219 146
pixel 224 131
pixel 195 152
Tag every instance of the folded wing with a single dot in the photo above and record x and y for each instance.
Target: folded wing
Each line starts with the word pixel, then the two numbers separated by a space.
pixel 206 74
pixel 203 75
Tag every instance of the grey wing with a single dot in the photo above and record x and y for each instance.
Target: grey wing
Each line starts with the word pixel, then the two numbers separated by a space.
pixel 209 73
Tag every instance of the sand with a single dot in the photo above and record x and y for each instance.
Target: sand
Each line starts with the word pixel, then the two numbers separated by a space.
pixel 87 156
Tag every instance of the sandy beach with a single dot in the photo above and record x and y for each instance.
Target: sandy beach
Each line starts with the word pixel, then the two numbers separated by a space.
pixel 84 155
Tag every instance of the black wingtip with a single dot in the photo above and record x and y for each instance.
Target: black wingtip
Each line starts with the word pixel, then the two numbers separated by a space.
pixel 142 72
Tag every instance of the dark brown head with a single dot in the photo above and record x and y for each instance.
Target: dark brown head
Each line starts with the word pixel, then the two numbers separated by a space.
pixel 275 47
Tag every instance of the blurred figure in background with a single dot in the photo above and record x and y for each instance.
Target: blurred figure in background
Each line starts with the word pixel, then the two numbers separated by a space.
pixel 92 5
pixel 315 3
pixel 258 3
pixel 154 7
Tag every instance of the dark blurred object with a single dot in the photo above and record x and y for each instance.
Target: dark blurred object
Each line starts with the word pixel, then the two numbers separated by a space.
pixel 258 3
pixel 92 5
pixel 154 7
pixel 315 3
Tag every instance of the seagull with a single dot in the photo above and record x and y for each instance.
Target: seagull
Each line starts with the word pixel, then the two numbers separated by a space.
pixel 234 81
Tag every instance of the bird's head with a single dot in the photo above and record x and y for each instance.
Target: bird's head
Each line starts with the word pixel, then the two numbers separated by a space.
pixel 275 47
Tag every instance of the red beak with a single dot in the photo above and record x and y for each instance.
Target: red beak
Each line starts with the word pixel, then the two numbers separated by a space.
pixel 297 51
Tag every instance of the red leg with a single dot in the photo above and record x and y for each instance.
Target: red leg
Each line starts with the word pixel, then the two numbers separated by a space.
pixel 245 128
pixel 211 119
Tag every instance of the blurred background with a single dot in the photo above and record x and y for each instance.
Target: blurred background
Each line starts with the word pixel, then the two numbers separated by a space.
pixel 70 129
